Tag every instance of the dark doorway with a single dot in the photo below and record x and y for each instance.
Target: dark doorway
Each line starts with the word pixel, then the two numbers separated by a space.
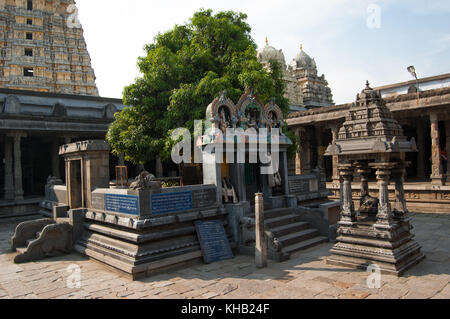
pixel 75 185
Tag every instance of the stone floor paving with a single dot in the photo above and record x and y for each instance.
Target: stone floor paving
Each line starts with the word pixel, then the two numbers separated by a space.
pixel 305 275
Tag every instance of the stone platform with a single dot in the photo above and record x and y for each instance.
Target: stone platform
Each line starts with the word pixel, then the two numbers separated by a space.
pixel 141 233
pixel 362 245
pixel 18 208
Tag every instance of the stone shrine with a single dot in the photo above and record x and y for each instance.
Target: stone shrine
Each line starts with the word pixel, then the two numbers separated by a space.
pixel 371 139
pixel 287 230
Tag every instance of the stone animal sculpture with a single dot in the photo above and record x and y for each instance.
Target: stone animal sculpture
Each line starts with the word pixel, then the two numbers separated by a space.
pixel 145 180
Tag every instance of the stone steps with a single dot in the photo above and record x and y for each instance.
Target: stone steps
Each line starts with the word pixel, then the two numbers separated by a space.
pixel 306 244
pixel 294 238
pixel 277 212
pixel 281 221
pixel 290 231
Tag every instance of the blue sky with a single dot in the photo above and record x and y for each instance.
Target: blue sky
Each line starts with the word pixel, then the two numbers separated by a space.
pixel 334 32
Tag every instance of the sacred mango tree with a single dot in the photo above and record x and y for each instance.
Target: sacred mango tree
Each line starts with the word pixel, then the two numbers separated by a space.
pixel 183 70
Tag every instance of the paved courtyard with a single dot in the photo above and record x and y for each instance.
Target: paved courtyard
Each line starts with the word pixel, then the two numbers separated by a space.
pixel 305 275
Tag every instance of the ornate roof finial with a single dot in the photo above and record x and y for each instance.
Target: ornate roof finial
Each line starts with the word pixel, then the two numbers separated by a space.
pixel 301 47
pixel 368 85
pixel 267 41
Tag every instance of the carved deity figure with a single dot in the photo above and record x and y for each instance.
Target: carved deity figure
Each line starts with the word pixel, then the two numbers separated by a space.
pixel 253 118
pixel 368 205
pixel 224 123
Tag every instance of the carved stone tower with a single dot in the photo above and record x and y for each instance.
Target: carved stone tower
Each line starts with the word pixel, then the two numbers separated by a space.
pixel 293 92
pixel 316 92
pixel 42 48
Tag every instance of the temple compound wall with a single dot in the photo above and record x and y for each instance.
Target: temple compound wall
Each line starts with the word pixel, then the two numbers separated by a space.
pixel 424 116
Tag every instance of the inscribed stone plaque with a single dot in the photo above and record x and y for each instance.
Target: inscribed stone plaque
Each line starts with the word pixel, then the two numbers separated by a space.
pixel 170 202
pixel 298 186
pixel 213 241
pixel 204 198
pixel 126 204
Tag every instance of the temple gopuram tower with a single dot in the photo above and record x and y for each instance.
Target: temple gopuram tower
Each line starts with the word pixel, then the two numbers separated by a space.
pixel 43 49
pixel 316 92
pixel 292 92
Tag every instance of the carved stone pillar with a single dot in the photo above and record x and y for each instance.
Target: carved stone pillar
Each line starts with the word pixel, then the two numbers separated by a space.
pixel 384 216
pixel 9 179
pixel 55 159
pixel 437 172
pixel 18 187
pixel 447 148
pixel 318 131
pixel 398 177
pixel 335 158
pixel 364 171
pixel 421 159
pixel 299 161
pixel 348 214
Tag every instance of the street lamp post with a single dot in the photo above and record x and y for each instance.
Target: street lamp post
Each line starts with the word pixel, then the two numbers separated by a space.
pixel 412 70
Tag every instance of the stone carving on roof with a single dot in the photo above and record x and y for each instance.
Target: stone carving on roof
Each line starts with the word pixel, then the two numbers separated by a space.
pixel 370 127
pixel 249 112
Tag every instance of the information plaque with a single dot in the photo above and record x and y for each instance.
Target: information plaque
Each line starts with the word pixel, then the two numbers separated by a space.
pixel 213 241
pixel 126 204
pixel 170 202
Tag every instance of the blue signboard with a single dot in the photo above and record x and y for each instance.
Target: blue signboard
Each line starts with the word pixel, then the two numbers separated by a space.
pixel 126 204
pixel 213 241
pixel 170 202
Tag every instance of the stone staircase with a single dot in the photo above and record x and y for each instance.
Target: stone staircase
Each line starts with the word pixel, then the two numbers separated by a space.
pixel 287 233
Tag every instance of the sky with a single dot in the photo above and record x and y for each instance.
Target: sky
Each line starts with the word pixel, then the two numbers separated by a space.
pixel 351 41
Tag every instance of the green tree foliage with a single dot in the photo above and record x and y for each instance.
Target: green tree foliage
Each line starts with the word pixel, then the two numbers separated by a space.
pixel 183 71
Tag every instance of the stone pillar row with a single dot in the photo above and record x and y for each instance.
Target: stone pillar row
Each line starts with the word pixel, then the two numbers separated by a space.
pixel 385 173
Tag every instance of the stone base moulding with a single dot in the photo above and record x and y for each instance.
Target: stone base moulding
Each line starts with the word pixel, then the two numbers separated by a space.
pixel 393 251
